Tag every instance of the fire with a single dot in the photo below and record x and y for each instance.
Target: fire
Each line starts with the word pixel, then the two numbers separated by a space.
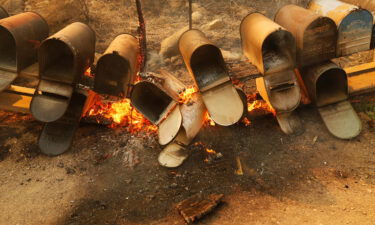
pixel 186 95
pixel 259 105
pixel 208 121
pixel 122 113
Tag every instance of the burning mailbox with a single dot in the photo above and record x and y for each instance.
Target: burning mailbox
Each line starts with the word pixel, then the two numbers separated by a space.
pixel 63 59
pixel 20 37
pixel 272 50
pixel 354 25
pixel 157 98
pixel 328 88
pixel 117 67
pixel 316 36
pixel 206 65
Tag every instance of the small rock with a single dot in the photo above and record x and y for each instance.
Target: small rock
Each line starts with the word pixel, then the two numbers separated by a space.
pixel 197 16
pixel 174 185
pixel 70 170
pixel 232 56
pixel 169 46
pixel 213 25
pixel 60 165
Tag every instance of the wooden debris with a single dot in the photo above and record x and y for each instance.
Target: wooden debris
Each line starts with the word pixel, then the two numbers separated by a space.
pixel 361 78
pixel 197 206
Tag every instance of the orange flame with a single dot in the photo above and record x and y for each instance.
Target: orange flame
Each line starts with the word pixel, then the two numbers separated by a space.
pixel 122 113
pixel 187 95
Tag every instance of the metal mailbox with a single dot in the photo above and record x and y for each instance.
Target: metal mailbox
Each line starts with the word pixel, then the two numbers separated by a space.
pixel 327 85
pixel 117 67
pixel 159 104
pixel 272 49
pixel 354 25
pixel 316 36
pixel 20 37
pixel 193 115
pixel 57 137
pixel 63 59
pixel 206 65
pixel 157 99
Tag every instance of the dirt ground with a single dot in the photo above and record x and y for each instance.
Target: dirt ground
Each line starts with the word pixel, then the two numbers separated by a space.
pixel 111 176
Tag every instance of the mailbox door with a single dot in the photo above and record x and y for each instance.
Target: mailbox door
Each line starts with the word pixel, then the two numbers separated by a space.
pixel 355 32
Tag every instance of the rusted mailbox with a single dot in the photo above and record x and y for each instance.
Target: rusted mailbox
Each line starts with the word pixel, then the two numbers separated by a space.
pixel 206 65
pixel 63 59
pixel 354 25
pixel 20 37
pixel 157 98
pixel 272 50
pixel 117 67
pixel 316 36
pixel 328 88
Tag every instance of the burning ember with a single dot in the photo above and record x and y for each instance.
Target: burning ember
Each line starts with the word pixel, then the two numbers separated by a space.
pixel 211 155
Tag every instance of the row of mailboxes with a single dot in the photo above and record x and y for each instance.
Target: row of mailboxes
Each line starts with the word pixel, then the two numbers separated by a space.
pixel 300 38
pixel 61 61
pixel 354 24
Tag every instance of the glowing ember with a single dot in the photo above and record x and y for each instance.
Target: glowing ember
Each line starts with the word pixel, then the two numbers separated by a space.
pixel 211 155
pixel 208 121
pixel 246 121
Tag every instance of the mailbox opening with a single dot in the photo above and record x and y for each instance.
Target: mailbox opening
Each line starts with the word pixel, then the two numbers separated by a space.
pixel 57 61
pixel 331 87
pixel 8 50
pixel 276 50
pixel 150 101
pixel 208 67
pixel 115 68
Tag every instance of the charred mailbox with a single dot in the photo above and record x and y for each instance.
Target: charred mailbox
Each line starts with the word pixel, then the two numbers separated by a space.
pixel 206 65
pixel 354 25
pixel 272 50
pixel 157 98
pixel 117 67
pixel 63 60
pixel 328 88
pixel 316 36
pixel 20 37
